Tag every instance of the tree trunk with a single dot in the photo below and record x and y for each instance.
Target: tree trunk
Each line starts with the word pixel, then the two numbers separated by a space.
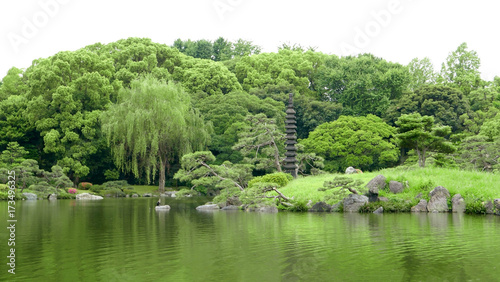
pixel 161 184
pixel 277 157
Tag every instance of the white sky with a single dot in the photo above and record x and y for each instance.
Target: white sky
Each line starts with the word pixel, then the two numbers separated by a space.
pixel 405 29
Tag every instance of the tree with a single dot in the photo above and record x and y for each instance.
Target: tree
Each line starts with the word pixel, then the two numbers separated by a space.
pixel 446 104
pixel 462 69
pixel 13 155
pixel 364 142
pixel 227 114
pixel 479 153
pixel 363 85
pixel 419 133
pixel 151 126
pixel 222 50
pixel 198 168
pixel 262 142
pixel 422 73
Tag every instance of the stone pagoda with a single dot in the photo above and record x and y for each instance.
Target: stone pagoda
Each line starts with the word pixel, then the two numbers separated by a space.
pixel 290 163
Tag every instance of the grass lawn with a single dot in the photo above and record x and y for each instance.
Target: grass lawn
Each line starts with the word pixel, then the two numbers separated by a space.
pixel 472 185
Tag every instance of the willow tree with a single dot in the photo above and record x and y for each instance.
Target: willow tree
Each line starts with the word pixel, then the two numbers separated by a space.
pixel 152 125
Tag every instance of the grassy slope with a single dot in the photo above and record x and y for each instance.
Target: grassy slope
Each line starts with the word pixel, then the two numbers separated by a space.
pixel 471 185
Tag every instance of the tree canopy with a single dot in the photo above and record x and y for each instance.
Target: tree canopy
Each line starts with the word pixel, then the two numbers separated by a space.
pixel 152 126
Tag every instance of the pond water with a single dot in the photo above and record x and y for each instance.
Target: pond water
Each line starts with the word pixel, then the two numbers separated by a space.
pixel 127 240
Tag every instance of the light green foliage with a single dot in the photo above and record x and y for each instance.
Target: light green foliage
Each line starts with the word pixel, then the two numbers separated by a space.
pixel 151 127
pixel 198 169
pixel 262 142
pixel 341 187
pixel 491 128
pixel 363 85
pixel 206 76
pixel 462 69
pixel 363 142
pixel 280 179
pixel 419 133
pixel 289 67
pixel 220 50
pixel 421 73
pixel 444 103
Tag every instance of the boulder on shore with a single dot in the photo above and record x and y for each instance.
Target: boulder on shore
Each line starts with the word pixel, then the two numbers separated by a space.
pixel 353 202
pixel 52 197
pixel 87 196
pixel 457 203
pixel 438 201
pixel 320 207
pixel 497 206
pixel 30 196
pixel 420 207
pixel 209 207
pixel 396 187
pixel 377 183
pixel 379 210
pixel 230 208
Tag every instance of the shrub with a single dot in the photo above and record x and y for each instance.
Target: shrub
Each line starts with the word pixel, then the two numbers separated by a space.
pixel 280 178
pixel 72 191
pixel 40 186
pixel 475 207
pixel 85 185
pixel 389 207
pixel 112 192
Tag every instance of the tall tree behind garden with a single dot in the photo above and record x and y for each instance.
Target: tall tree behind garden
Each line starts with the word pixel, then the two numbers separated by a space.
pixel 152 126
pixel 462 69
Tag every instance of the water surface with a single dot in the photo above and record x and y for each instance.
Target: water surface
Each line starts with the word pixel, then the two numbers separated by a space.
pixel 127 240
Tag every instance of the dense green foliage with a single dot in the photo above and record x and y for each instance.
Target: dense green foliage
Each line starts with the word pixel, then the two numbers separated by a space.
pixel 131 109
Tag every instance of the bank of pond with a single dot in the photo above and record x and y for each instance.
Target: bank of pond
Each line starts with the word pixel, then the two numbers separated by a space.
pixel 388 191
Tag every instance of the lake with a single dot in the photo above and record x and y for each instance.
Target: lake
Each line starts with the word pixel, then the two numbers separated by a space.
pixel 127 240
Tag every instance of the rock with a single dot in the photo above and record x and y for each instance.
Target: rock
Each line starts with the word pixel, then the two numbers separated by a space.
pixel 377 183
pixel 419 196
pixel 354 202
pixel 383 199
pixel 336 207
pixel 420 207
pixel 309 204
pixel 135 196
pixel 230 208
pixel 233 201
pixel 268 209
pixel 170 194
pixel 379 210
pixel 209 207
pixel 127 196
pixel 350 170
pixel 438 201
pixel 147 195
pixel 87 196
pixel 396 187
pixel 320 207
pixel 457 203
pixel 52 197
pixel 497 206
pixel 490 209
pixel 162 208
pixel 30 196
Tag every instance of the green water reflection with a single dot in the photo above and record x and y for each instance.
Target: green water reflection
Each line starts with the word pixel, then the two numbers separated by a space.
pixel 127 240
